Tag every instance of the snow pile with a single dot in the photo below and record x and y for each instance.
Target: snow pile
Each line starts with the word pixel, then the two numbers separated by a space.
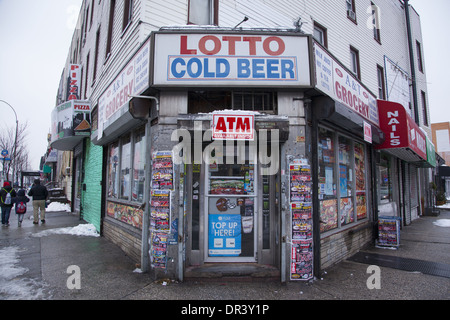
pixel 442 223
pixel 58 206
pixel 12 287
pixel 87 230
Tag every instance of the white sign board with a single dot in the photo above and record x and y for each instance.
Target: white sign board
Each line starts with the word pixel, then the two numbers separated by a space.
pixel 231 60
pixel 397 83
pixel 335 81
pixel 132 80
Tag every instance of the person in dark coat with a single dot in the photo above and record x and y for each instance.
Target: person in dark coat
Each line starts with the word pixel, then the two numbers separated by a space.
pixel 39 194
pixel 21 205
pixel 7 194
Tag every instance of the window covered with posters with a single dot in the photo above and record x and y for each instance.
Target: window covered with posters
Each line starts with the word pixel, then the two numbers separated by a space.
pixel 342 180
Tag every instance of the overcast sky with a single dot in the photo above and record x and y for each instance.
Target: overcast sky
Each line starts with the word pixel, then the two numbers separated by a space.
pixel 34 41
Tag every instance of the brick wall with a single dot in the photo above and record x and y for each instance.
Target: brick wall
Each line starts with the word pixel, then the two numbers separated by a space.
pixel 127 238
pixel 339 246
pixel 91 199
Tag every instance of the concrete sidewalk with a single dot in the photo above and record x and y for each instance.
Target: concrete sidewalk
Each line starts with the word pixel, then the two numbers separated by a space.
pixel 107 273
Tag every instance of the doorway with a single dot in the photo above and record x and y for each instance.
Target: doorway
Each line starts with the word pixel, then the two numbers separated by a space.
pixel 230 206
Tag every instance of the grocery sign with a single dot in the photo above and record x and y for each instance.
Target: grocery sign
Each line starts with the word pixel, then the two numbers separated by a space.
pixel 231 59
pixel 233 126
pixel 335 81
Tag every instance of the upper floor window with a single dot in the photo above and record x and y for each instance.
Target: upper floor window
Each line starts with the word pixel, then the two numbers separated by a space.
pixel 354 60
pixel 127 13
pixel 203 12
pixel 110 27
pixel 351 10
pixel 419 56
pixel 376 22
pixel 320 34
pixel 424 109
pixel 381 90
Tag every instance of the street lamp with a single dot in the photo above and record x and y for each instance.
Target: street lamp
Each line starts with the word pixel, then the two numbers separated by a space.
pixel 15 139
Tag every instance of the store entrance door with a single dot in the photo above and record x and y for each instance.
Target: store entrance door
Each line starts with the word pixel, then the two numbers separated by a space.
pixel 230 205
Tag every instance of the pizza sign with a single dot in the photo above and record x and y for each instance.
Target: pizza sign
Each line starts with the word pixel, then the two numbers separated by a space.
pixel 233 126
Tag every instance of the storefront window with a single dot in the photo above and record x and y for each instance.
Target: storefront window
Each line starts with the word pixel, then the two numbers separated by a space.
pixel 139 167
pixel 113 171
pixel 384 181
pixel 126 178
pixel 125 168
pixel 346 181
pixel 327 181
pixel 360 180
pixel 342 180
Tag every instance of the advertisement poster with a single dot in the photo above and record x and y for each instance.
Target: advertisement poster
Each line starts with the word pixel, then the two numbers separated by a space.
pixel 162 170
pixel 127 214
pixel 225 236
pixel 389 231
pixel 301 265
pixel 158 253
pixel 160 210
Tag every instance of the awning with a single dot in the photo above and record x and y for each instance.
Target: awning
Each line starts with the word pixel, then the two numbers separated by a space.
pixel 327 109
pixel 404 138
pixel 71 123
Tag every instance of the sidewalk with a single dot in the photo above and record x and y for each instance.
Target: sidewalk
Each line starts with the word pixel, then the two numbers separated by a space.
pixel 40 265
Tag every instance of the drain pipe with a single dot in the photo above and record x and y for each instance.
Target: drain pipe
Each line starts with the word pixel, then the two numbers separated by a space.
pixel 412 62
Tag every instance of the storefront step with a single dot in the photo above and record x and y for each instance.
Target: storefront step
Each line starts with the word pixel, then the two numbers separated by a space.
pixel 232 272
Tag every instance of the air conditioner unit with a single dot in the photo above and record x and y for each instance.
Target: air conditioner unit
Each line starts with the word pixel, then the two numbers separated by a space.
pixel 351 14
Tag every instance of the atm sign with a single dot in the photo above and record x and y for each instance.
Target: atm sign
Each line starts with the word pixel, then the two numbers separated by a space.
pixel 238 126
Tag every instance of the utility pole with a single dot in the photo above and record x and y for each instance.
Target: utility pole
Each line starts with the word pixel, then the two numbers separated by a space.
pixel 15 141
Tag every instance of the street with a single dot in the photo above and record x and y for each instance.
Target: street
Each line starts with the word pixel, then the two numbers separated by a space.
pixel 56 265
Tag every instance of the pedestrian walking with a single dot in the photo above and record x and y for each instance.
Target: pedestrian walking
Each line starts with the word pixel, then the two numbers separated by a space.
pixel 39 194
pixel 7 194
pixel 21 206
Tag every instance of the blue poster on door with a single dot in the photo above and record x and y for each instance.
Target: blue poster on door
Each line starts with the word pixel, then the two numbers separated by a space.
pixel 224 235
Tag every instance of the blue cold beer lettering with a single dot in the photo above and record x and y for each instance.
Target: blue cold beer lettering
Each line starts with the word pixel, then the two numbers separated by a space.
pixel 233 68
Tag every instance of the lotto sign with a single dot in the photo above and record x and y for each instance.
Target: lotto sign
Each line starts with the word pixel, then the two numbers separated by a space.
pixel 238 126
pixel 231 59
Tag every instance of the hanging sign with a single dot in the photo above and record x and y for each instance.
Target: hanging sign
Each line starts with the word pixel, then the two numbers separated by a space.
pixel 233 126
pixel 335 81
pixel 367 132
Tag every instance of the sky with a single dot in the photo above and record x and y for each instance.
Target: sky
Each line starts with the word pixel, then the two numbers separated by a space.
pixel 35 36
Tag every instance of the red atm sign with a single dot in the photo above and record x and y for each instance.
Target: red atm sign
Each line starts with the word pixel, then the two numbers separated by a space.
pixel 237 126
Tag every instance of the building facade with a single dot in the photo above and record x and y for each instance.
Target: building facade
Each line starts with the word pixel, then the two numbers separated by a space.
pixel 263 134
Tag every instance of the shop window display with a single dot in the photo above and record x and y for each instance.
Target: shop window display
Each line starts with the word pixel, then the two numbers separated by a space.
pixel 137 193
pixel 113 171
pixel 126 178
pixel 342 180
pixel 125 169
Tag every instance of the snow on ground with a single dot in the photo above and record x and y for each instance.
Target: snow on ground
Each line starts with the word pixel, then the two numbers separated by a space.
pixel 57 206
pixel 12 287
pixel 442 223
pixel 87 230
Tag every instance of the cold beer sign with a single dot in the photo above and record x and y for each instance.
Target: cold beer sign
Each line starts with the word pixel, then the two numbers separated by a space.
pixel 231 59
pixel 233 126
